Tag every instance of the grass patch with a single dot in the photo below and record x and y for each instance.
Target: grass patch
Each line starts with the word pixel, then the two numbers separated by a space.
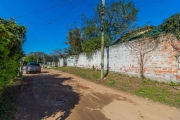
pixel 8 100
pixel 161 94
pixel 154 90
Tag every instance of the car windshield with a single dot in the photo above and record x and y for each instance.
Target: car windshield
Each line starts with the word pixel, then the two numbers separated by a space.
pixel 34 64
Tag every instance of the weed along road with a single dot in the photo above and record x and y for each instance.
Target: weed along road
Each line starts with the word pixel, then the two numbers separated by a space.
pixel 56 95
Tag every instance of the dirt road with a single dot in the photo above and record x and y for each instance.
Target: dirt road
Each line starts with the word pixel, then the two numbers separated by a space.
pixel 55 95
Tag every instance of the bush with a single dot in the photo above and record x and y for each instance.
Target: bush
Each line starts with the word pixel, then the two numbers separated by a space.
pixel 12 38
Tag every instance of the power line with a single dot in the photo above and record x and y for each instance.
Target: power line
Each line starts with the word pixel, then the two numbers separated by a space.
pixel 68 17
pixel 57 18
pixel 47 21
pixel 75 7
pixel 35 12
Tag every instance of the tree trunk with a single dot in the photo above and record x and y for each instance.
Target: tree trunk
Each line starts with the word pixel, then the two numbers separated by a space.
pixel 141 65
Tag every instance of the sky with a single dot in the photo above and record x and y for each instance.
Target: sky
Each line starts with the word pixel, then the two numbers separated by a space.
pixel 47 21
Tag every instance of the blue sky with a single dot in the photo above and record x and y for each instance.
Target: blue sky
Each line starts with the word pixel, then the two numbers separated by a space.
pixel 48 21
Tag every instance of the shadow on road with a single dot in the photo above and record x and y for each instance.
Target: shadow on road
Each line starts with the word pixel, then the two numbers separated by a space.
pixel 44 72
pixel 8 101
pixel 44 96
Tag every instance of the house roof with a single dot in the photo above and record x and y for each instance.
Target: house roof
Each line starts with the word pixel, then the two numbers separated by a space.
pixel 135 33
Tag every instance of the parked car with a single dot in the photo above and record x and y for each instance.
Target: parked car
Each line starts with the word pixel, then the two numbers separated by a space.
pixel 33 67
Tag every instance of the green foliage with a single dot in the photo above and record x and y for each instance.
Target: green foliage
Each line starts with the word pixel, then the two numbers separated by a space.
pixel 12 38
pixel 96 75
pixel 171 25
pixel 41 57
pixel 172 84
pixel 74 41
pixel 111 82
pixel 31 59
pixel 93 67
pixel 119 18
pixel 90 45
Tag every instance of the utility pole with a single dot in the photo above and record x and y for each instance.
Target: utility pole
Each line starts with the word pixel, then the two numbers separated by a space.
pixel 102 39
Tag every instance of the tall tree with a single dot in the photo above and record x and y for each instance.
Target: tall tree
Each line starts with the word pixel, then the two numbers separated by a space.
pixel 120 18
pixel 74 41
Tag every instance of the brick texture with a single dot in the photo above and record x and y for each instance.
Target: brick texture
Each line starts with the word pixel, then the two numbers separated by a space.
pixel 162 64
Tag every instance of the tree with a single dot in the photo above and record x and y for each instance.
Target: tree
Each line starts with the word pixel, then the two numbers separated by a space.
pixel 12 37
pixel 34 57
pixel 141 42
pixel 141 47
pixel 74 41
pixel 120 17
pixel 171 25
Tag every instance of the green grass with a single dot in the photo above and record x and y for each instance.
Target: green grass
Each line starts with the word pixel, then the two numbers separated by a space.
pixel 160 94
pixel 154 90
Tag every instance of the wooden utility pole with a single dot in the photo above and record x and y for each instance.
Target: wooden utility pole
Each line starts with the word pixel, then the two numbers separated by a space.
pixel 102 39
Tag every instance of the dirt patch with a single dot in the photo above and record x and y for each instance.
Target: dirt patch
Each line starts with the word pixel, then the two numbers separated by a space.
pixel 90 106
pixel 82 86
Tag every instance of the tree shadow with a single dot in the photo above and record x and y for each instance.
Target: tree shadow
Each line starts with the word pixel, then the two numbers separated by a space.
pixel 45 96
pixel 44 72
pixel 8 101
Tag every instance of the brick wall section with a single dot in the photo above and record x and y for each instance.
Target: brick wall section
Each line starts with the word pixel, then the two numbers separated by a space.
pixel 160 64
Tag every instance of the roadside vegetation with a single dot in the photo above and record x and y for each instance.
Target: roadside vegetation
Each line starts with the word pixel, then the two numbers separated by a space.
pixel 12 37
pixel 166 93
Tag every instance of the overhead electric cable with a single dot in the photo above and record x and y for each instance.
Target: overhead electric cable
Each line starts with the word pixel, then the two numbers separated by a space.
pixel 57 18
pixel 47 21
pixel 43 9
